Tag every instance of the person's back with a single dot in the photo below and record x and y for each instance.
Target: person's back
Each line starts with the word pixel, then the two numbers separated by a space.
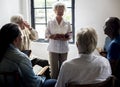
pixel 82 69
pixel 88 68
pixel 10 38
pixel 9 72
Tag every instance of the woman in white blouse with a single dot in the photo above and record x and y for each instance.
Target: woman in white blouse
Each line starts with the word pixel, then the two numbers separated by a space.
pixel 58 32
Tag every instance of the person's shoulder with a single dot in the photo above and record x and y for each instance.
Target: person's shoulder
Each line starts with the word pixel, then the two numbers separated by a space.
pixel 114 44
pixel 102 59
pixel 17 56
pixel 20 55
pixel 23 59
pixel 70 61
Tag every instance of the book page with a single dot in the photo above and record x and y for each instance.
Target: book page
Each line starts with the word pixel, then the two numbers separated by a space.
pixel 37 69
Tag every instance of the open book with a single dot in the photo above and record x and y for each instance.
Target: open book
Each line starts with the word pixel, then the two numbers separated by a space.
pixel 38 70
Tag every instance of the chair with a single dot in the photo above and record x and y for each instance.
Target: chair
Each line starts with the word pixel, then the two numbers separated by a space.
pixel 107 83
pixel 10 79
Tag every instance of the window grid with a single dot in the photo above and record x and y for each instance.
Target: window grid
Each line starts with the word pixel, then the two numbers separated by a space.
pixel 45 8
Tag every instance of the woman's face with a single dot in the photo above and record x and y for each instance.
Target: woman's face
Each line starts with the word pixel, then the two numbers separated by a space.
pixel 59 11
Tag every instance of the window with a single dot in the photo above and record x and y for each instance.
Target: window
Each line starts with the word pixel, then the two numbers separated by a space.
pixel 42 12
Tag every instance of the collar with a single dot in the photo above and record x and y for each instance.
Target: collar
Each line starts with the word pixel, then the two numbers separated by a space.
pixel 62 23
pixel 11 46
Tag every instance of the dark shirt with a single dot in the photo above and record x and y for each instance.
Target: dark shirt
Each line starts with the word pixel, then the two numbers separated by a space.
pixel 114 49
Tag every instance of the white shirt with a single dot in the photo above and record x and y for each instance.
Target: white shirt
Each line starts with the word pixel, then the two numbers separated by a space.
pixel 57 46
pixel 86 69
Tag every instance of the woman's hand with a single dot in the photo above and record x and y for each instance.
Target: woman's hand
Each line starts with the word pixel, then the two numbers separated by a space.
pixel 59 37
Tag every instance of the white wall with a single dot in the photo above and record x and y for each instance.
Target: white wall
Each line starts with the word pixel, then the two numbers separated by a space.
pixel 7 9
pixel 87 13
pixel 93 13
pixel 12 7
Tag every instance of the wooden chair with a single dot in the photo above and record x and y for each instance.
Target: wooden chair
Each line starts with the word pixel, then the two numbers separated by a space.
pixel 10 79
pixel 107 83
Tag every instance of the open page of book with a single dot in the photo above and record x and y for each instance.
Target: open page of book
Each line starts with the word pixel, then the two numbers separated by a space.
pixel 37 69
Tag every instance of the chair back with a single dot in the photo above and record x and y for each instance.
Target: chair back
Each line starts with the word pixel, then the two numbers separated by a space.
pixel 10 79
pixel 109 82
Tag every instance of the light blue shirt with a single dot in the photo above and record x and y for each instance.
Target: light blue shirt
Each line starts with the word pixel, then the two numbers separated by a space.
pixel 107 43
pixel 21 61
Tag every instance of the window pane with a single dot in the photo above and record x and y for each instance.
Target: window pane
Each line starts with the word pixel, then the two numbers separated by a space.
pixel 71 40
pixel 39 15
pixel 68 15
pixel 67 2
pixel 41 31
pixel 50 14
pixel 49 3
pixel 39 3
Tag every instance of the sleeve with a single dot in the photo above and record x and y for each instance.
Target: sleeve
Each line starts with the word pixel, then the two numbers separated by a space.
pixel 33 34
pixel 106 44
pixel 47 31
pixel 28 75
pixel 106 68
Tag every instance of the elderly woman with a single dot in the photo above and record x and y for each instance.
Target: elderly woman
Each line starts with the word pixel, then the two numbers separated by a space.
pixel 58 32
pixel 88 68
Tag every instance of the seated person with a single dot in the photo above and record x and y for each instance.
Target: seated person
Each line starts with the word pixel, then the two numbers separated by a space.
pixel 88 68
pixel 112 30
pixel 10 41
pixel 28 34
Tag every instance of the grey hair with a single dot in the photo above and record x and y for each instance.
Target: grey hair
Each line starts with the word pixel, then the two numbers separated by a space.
pixel 18 18
pixel 86 40
pixel 59 4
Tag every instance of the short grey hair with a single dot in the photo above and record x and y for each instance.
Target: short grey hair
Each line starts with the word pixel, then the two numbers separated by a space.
pixel 59 4
pixel 86 40
pixel 18 18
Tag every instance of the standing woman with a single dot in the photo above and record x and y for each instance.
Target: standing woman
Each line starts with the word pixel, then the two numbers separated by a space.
pixel 58 32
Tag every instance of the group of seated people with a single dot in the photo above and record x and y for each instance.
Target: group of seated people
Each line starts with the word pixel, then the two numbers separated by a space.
pixel 87 68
